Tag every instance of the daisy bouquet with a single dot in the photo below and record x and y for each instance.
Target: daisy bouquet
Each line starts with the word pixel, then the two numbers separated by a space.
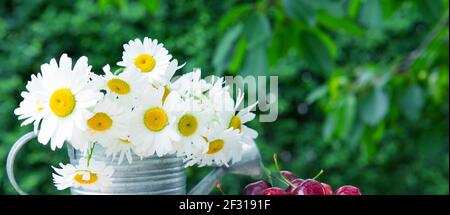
pixel 140 108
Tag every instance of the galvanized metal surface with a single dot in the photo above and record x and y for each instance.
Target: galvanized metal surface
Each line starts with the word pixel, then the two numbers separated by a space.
pixel 149 176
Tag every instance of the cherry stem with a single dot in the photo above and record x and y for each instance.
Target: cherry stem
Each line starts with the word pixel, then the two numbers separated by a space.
pixel 268 175
pixel 91 150
pixel 285 180
pixel 318 174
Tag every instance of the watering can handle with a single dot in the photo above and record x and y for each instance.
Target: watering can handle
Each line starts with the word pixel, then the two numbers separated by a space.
pixel 12 156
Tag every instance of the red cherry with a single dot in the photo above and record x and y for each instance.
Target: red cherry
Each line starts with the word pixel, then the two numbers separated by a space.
pixel 309 187
pixel 289 175
pixel 348 190
pixel 255 188
pixel 296 182
pixel 328 189
pixel 274 191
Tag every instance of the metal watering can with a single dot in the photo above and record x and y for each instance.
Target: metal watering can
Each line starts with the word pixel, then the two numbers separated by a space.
pixel 149 176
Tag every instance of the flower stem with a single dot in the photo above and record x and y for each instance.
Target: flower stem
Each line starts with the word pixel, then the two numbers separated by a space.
pixel 91 150
pixel 118 71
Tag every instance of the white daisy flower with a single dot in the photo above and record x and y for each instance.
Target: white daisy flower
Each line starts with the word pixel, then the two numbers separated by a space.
pixel 191 125
pixel 104 124
pixel 95 175
pixel 191 85
pixel 149 58
pixel 224 147
pixel 151 131
pixel 121 147
pixel 31 107
pixel 65 96
pixel 164 79
pixel 219 98
pixel 124 86
pixel 237 119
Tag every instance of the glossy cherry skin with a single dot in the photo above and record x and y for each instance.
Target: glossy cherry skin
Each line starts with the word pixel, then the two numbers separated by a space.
pixel 274 191
pixel 309 187
pixel 287 174
pixel 348 190
pixel 256 188
pixel 328 189
pixel 296 182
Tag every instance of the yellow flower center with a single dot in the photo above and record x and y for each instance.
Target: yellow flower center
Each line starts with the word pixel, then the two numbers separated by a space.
pixel 155 119
pixel 125 141
pixel 100 122
pixel 79 177
pixel 62 102
pixel 187 125
pixel 166 93
pixel 215 146
pixel 145 62
pixel 118 86
pixel 235 122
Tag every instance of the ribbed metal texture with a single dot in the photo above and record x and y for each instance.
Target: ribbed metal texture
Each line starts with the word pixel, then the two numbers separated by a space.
pixel 149 176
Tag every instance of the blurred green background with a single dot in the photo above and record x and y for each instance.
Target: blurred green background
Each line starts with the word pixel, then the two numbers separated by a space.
pixel 363 83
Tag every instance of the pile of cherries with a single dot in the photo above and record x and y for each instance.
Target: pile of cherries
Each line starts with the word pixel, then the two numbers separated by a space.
pixel 301 187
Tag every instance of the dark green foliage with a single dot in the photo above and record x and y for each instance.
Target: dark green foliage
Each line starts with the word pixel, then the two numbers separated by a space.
pixel 363 83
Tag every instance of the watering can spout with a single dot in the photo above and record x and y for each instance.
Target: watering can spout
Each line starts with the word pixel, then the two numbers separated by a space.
pixel 249 165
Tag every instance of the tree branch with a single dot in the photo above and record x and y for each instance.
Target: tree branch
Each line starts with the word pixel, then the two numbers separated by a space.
pixel 414 55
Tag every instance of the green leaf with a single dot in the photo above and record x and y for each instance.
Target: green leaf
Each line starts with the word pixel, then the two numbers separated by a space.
pixel 316 53
pixel 257 30
pixel 373 106
pixel 371 14
pixel 339 24
pixel 233 16
pixel 333 7
pixel 255 62
pixel 222 55
pixel 369 148
pixel 103 4
pixel 353 8
pixel 286 36
pixel 346 116
pixel 327 40
pixel 317 94
pixel 329 126
pixel 371 138
pixel 239 54
pixel 151 5
pixel 430 10
pixel 411 101
pixel 300 10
